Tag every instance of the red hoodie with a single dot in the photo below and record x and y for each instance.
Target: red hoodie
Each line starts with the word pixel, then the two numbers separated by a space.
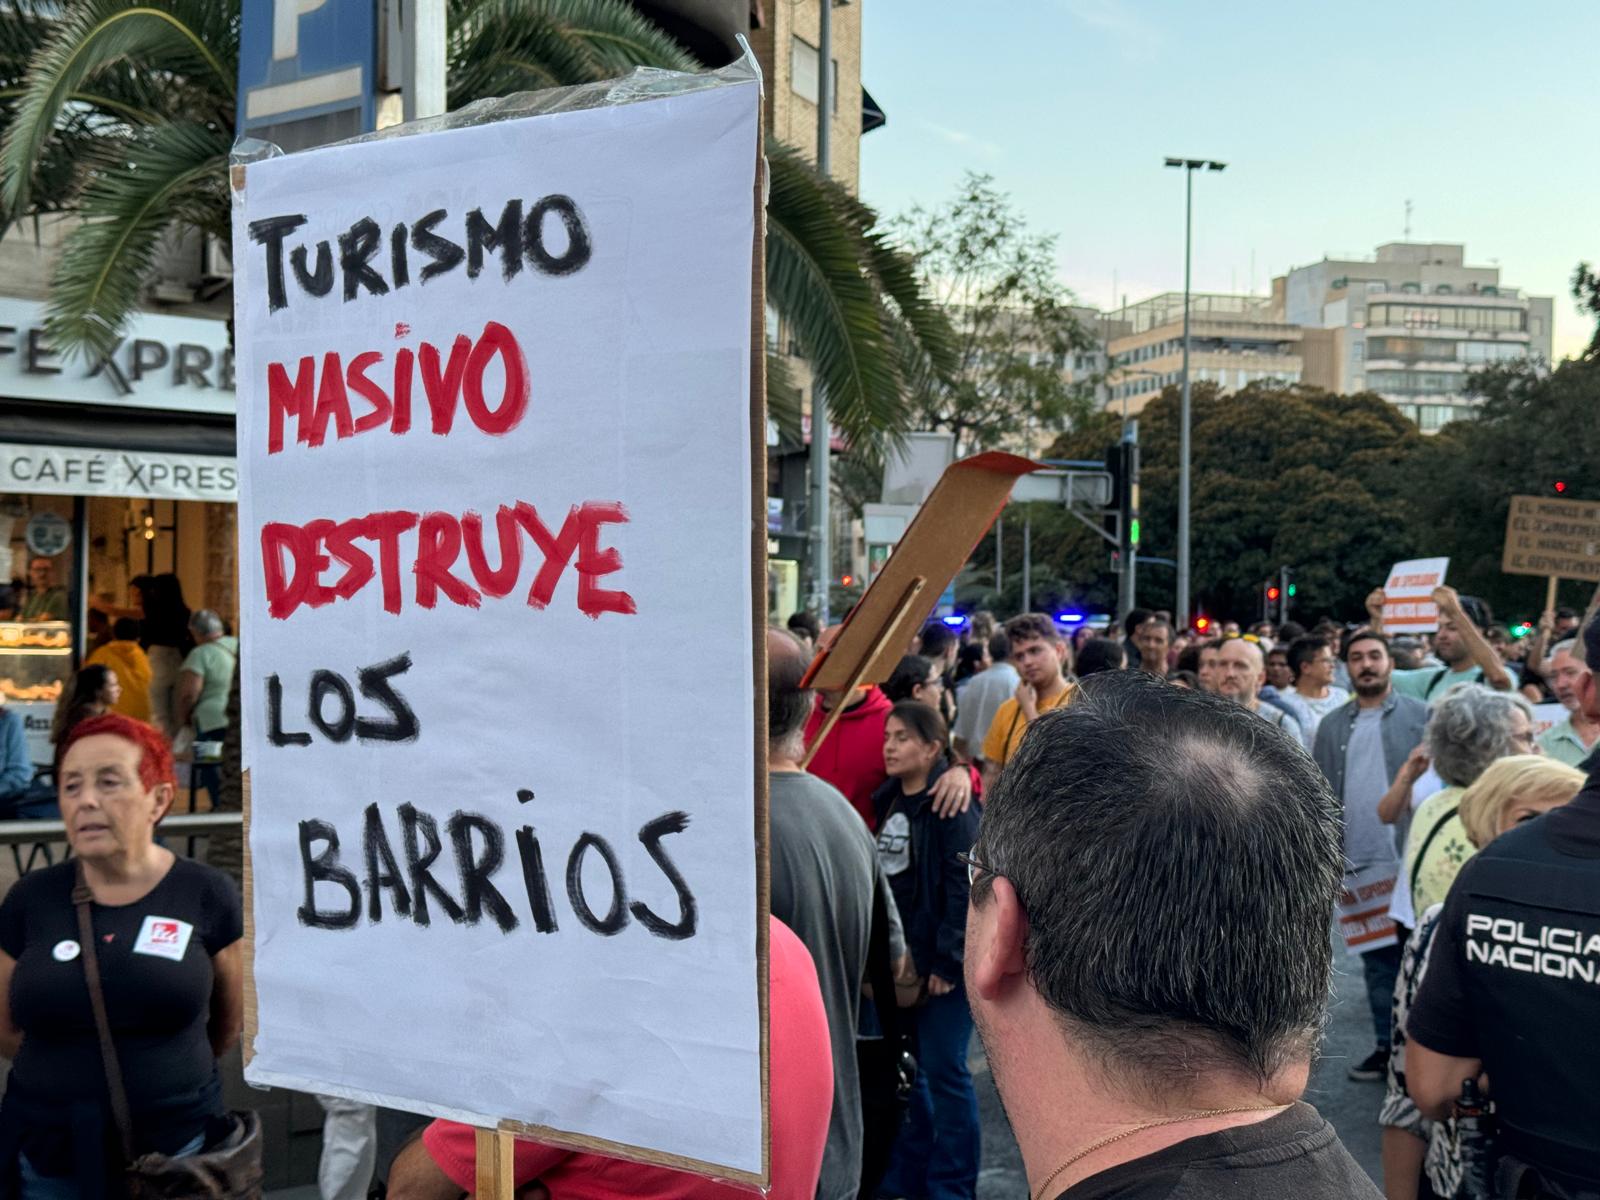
pixel 852 757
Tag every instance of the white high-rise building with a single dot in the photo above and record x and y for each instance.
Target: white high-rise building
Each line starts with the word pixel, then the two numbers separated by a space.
pixel 1410 324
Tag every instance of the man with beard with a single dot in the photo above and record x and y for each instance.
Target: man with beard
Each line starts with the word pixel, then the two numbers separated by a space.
pixel 1572 739
pixel 1141 1047
pixel 1460 645
pixel 1361 747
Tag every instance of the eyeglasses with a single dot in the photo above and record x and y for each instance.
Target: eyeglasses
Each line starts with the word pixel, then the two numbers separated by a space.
pixel 975 867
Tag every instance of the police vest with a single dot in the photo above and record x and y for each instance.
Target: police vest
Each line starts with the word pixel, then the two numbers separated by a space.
pixel 1528 960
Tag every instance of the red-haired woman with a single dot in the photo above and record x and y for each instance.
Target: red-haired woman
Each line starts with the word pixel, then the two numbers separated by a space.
pixel 167 940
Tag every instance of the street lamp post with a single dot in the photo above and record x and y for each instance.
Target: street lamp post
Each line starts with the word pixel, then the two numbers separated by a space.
pixel 821 435
pixel 1189 166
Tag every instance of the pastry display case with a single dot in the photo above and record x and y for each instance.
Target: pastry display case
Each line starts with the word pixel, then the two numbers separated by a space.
pixel 35 664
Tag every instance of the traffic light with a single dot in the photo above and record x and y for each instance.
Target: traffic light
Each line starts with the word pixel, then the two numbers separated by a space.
pixel 1202 624
pixel 1272 594
pixel 1561 486
pixel 1291 591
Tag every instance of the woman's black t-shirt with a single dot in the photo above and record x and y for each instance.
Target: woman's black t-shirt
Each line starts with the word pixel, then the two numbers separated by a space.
pixel 155 966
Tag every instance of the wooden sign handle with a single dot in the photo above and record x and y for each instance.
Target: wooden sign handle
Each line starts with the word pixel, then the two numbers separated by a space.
pixel 907 599
pixel 1550 593
pixel 494 1158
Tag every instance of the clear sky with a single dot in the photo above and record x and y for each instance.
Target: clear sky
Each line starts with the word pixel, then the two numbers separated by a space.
pixel 1329 116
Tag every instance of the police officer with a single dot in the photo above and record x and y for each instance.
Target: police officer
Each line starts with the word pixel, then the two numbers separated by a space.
pixel 1513 990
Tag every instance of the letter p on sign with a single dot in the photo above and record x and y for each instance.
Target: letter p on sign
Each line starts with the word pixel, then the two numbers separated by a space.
pixel 286 16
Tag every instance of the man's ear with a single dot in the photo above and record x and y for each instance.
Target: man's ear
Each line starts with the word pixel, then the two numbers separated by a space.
pixel 997 935
pixel 1589 696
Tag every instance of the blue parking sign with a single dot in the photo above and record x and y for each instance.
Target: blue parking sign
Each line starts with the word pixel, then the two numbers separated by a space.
pixel 307 58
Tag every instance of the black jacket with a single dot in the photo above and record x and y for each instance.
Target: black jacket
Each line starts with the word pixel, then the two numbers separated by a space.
pixel 931 889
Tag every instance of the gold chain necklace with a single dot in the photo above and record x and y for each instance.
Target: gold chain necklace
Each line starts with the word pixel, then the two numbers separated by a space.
pixel 1127 1133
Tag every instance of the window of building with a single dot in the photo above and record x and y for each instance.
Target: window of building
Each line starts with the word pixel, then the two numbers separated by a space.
pixel 1410 287
pixel 803 72
pixel 1443 289
pixel 1357 351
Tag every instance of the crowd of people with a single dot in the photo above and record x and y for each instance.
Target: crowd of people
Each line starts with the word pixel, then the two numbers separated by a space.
pixel 1115 854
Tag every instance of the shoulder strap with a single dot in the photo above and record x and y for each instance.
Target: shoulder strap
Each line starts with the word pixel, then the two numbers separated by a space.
pixel 1434 682
pixel 880 971
pixel 1422 853
pixel 82 898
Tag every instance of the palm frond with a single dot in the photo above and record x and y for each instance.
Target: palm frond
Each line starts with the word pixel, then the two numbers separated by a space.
pixel 193 40
pixel 497 47
pixel 174 174
pixel 815 277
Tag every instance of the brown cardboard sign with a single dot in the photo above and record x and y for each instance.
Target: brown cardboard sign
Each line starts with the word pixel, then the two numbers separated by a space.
pixel 1555 538
pixel 958 512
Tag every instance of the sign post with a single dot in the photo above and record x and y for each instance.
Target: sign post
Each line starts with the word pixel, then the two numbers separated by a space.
pixel 502 450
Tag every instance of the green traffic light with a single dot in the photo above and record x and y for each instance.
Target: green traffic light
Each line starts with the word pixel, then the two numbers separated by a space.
pixel 1291 589
pixel 1133 532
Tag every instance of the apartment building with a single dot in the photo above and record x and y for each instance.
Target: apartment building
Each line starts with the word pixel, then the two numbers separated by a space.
pixel 1410 324
pixel 1233 341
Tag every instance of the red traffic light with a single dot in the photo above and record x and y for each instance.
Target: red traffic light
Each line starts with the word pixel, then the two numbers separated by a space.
pixel 1272 593
pixel 1202 623
pixel 1561 486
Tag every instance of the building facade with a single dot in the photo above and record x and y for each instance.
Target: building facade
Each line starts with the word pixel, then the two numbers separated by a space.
pixel 1233 341
pixel 1410 324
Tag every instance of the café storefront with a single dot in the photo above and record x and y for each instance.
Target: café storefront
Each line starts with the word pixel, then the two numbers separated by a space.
pixel 110 471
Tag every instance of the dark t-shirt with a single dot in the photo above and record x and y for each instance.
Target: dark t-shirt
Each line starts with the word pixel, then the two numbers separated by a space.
pixel 1295 1153
pixel 1514 980
pixel 155 967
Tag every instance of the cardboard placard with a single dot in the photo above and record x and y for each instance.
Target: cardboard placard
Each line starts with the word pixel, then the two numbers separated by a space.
pixel 501 443
pixel 962 506
pixel 1554 538
pixel 1363 909
pixel 1408 606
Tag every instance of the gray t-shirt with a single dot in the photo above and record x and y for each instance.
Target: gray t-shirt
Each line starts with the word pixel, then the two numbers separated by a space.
pixel 978 701
pixel 824 864
pixel 1320 708
pixel 1367 840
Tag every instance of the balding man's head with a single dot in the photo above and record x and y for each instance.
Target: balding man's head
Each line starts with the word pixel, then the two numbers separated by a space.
pixel 1241 670
pixel 787 704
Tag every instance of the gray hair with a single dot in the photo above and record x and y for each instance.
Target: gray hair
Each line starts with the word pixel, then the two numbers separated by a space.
pixel 1566 646
pixel 1178 862
pixel 205 623
pixel 1469 729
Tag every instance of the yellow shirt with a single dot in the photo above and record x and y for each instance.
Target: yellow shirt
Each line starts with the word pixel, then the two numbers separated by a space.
pixel 132 666
pixel 1006 730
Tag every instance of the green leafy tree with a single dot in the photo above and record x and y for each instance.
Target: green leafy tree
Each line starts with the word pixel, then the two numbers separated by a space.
pixel 1534 427
pixel 1283 476
pixel 1014 325
pixel 121 112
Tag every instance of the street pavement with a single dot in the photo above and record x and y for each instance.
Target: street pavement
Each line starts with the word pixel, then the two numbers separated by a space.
pixel 1351 1107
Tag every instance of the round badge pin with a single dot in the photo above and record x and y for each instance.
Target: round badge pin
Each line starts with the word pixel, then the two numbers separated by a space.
pixel 65 951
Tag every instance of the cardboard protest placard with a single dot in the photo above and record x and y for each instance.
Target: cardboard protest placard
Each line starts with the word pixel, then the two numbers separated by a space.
pixel 1408 606
pixel 1547 716
pixel 502 450
pixel 1363 910
pixel 1555 538
pixel 874 636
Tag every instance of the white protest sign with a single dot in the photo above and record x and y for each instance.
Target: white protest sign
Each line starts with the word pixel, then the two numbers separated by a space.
pixel 1548 716
pixel 1408 606
pixel 498 581
pixel 1363 909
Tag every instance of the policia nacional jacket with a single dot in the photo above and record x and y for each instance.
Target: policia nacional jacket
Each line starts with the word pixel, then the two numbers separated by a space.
pixel 1514 980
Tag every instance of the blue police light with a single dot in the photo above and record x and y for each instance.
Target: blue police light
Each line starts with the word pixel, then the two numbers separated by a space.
pixel 1070 618
pixel 955 620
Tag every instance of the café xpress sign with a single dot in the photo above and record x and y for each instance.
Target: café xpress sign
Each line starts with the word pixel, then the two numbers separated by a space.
pixel 179 363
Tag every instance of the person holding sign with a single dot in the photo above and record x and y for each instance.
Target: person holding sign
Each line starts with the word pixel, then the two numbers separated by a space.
pixel 167 943
pixel 1460 645
pixel 442 1163
pixel 1362 747
pixel 1039 655
pixel 937 1153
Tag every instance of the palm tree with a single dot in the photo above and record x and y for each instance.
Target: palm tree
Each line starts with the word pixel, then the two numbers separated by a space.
pixel 121 112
